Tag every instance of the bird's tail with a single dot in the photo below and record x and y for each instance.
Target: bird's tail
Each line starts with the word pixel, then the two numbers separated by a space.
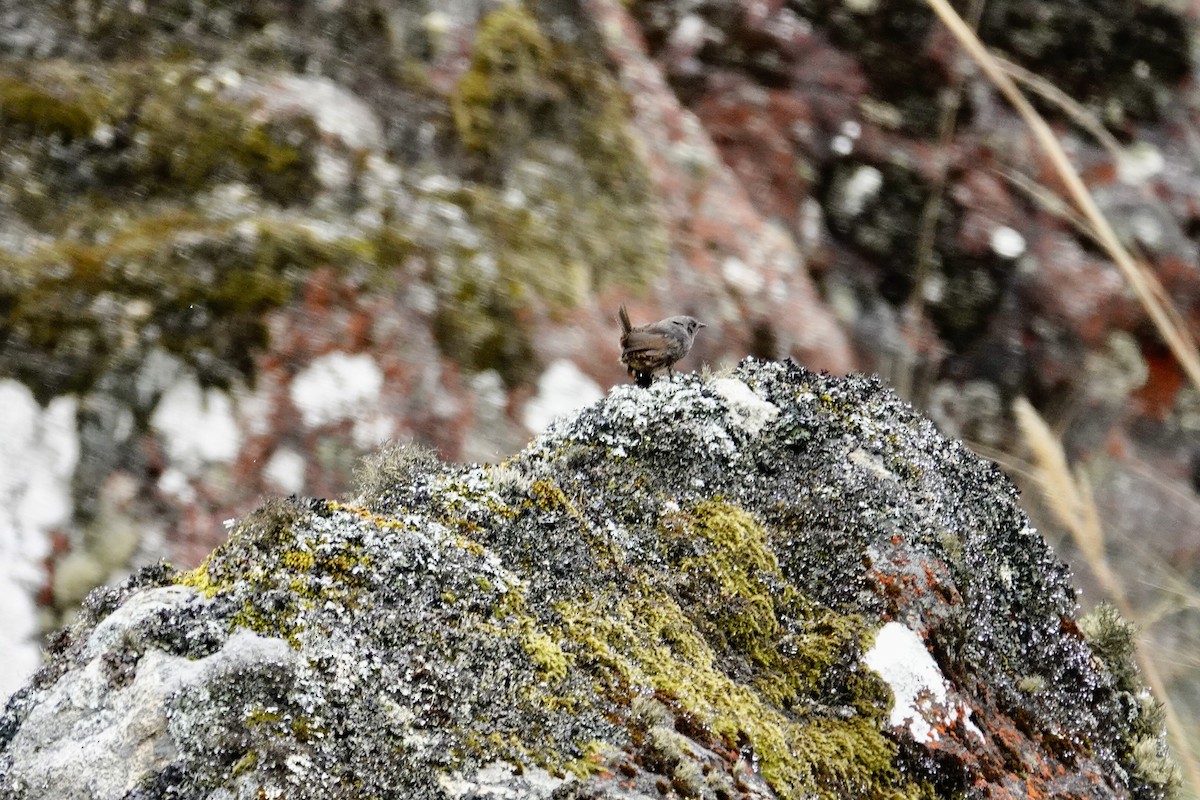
pixel 623 315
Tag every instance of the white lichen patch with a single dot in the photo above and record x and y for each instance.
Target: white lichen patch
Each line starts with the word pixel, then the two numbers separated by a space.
pixel 859 189
pixel 337 386
pixel 1007 243
pixel 197 426
pixel 1139 162
pixel 741 277
pixel 633 417
pixel 499 780
pixel 562 388
pixel 749 411
pixel 38 453
pixel 921 692
pixel 872 463
pixel 337 112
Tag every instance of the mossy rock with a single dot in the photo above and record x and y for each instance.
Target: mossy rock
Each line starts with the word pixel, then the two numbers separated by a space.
pixel 198 289
pixel 628 606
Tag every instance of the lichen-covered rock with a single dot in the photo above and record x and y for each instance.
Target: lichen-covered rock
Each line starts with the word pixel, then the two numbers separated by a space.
pixel 769 584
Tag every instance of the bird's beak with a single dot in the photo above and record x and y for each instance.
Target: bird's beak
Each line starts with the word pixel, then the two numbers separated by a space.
pixel 701 324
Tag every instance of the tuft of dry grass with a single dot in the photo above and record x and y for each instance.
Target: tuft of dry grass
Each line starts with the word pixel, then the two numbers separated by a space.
pixel 1068 495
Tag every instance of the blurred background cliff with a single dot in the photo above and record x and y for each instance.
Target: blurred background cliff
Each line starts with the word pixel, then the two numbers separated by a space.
pixel 243 244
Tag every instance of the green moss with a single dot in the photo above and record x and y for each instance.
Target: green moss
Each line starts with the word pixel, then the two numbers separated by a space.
pixel 391 470
pixel 198 289
pixel 346 568
pixel 30 109
pixel 549 496
pixel 576 209
pixel 740 652
pixel 1113 642
pixel 244 764
pixel 1031 684
pixel 298 561
pixel 304 730
pixel 249 558
pixel 646 643
pixel 199 579
pixel 262 716
pixel 509 80
pixel 167 135
pixel 193 140
pixel 279 620
pixel 479 325
pixel 546 653
pixel 724 563
pixel 283 170
pixel 596 757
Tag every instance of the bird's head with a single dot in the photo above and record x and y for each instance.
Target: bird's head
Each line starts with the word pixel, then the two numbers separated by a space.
pixel 686 326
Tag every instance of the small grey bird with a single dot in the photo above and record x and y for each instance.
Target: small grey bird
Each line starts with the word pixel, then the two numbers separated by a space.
pixel 659 344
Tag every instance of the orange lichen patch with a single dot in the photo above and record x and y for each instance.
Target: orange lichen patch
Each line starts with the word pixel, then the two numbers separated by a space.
pixel 1157 396
pixel 366 514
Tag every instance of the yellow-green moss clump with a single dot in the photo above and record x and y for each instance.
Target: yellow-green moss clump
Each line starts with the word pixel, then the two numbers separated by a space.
pixel 561 194
pixel 196 288
pixel 509 81
pixel 111 159
pixel 31 109
pixel 688 639
pixel 1112 640
pixel 283 569
pixel 158 129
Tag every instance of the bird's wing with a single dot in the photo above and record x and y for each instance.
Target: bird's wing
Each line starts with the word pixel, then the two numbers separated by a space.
pixel 644 342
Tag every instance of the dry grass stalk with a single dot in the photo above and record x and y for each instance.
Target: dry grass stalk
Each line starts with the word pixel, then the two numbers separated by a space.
pixel 1149 293
pixel 1067 104
pixel 1049 202
pixel 1069 498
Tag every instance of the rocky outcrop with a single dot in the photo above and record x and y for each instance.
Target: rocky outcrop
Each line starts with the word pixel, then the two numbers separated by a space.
pixel 240 247
pixel 765 583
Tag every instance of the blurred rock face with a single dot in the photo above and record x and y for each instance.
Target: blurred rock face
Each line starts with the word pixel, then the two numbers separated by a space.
pixel 770 584
pixel 241 247
pixel 250 245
